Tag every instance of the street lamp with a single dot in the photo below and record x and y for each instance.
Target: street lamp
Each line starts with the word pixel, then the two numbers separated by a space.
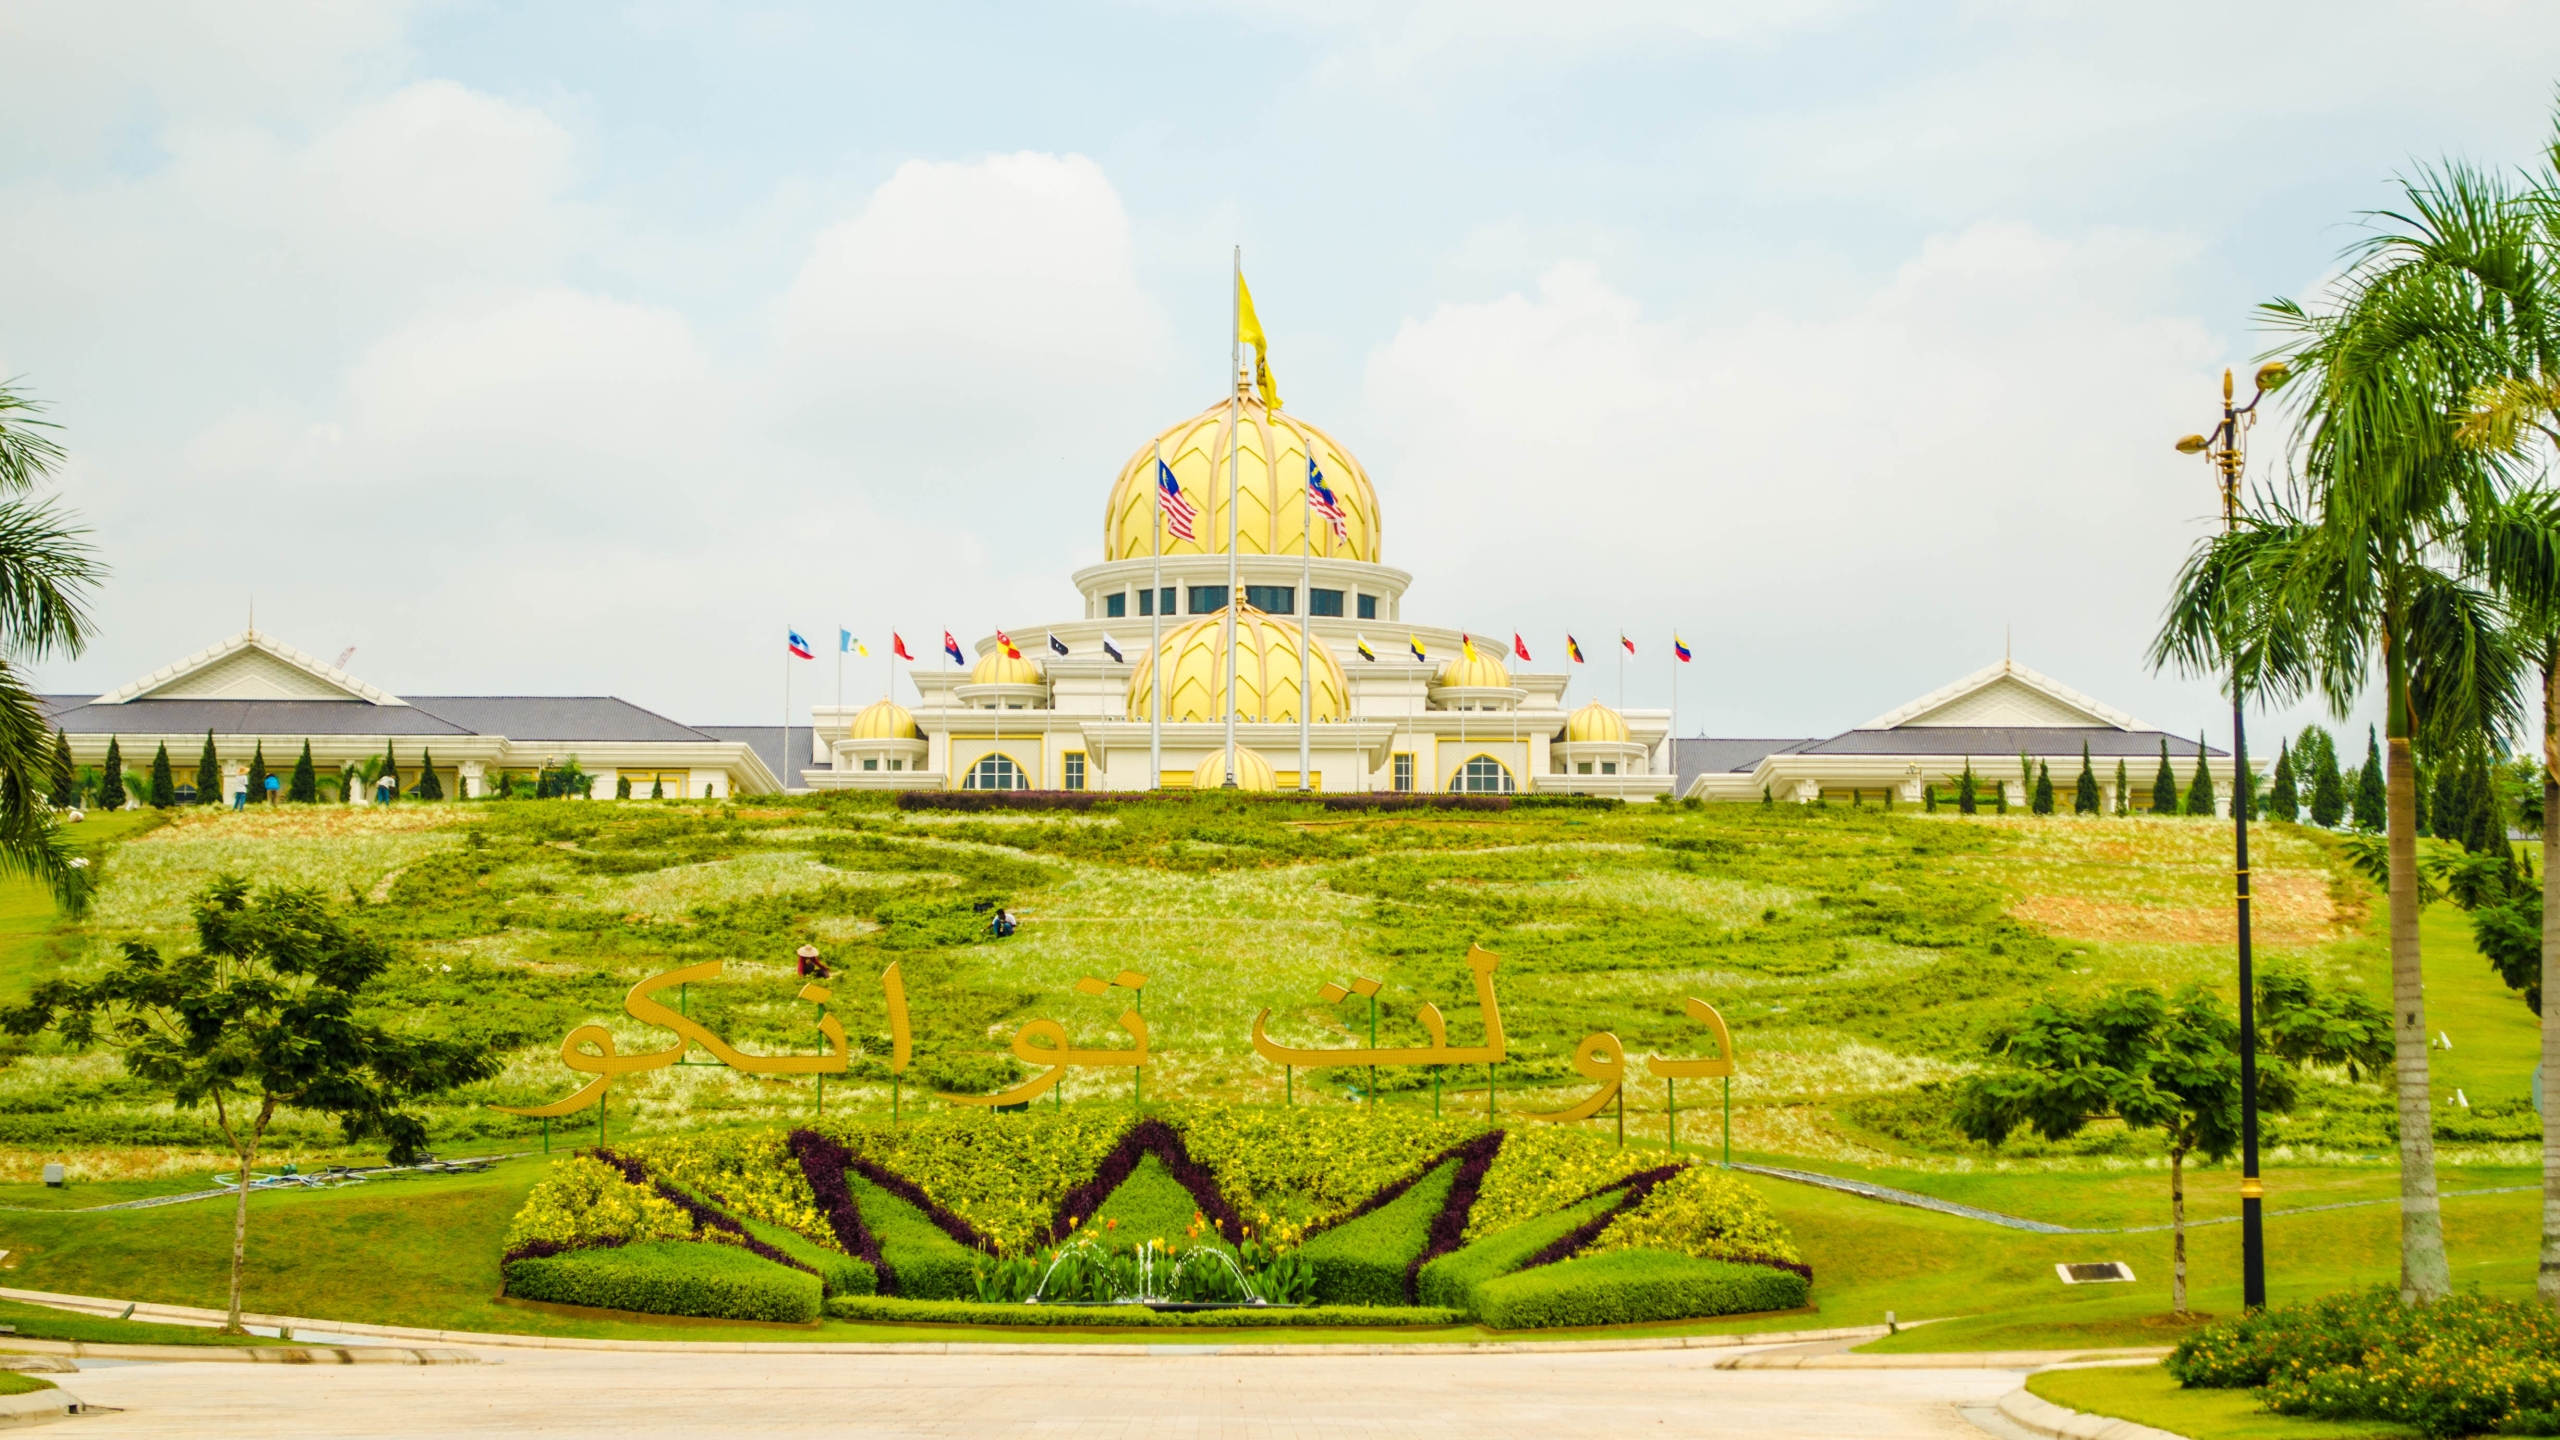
pixel 2226 449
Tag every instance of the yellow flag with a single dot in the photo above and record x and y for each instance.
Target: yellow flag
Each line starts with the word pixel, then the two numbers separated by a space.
pixel 1249 330
pixel 1467 643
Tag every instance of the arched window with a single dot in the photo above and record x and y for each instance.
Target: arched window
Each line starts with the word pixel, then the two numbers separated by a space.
pixel 1481 775
pixel 996 772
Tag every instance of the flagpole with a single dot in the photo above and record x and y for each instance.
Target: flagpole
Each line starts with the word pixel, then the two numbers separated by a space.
pixel 1306 610
pixel 1155 644
pixel 1235 457
pixel 786 719
pixel 1670 747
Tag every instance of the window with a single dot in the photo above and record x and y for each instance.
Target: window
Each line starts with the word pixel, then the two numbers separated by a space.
pixel 1481 775
pixel 1368 607
pixel 1272 599
pixel 871 764
pixel 1208 599
pixel 1403 771
pixel 1608 767
pixel 1325 602
pixel 1115 606
pixel 1147 601
pixel 1582 767
pixel 897 764
pixel 996 772
pixel 1075 769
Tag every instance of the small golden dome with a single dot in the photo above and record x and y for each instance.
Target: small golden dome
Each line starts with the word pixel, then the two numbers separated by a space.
pixel 1598 722
pixel 1271 486
pixel 1195 677
pixel 1253 773
pixel 883 720
pixel 997 668
pixel 1486 671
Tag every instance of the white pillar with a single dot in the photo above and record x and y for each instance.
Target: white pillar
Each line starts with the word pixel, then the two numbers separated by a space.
pixel 474 778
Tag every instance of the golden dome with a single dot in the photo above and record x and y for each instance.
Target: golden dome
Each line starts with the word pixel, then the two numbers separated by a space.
pixel 1270 483
pixel 997 668
pixel 1195 677
pixel 883 720
pixel 1253 772
pixel 1595 721
pixel 1486 671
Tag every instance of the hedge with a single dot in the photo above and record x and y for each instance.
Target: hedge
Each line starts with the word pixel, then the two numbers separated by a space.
pixel 670 1277
pixel 1363 1261
pixel 960 1312
pixel 2466 1365
pixel 927 1264
pixel 1149 1205
pixel 840 1273
pixel 1452 1279
pixel 1625 1287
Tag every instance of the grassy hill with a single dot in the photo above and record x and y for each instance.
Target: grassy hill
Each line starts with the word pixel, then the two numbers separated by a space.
pixel 1859 955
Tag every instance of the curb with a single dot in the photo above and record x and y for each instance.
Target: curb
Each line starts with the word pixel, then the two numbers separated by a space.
pixel 2046 1418
pixel 1944 1360
pixel 360 1354
pixel 37 1406
pixel 242 1354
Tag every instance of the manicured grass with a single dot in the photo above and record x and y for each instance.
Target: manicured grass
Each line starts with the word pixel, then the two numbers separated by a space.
pixel 44 1322
pixel 2146 1395
pixel 13 1383
pixel 1149 1205
pixel 35 941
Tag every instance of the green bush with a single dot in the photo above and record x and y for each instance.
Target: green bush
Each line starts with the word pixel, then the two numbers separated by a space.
pixel 926 1263
pixel 956 1312
pixel 1149 1205
pixel 1706 1213
pixel 670 1277
pixel 2463 1366
pixel 1362 1261
pixel 582 1201
pixel 1626 1287
pixel 1452 1279
pixel 841 1274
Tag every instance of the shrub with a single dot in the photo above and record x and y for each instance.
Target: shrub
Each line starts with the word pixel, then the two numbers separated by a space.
pixel 208 774
pixel 1288 1169
pixel 749 1173
pixel 2200 794
pixel 839 1273
pixel 304 786
pixel 2164 786
pixel 1544 1168
pixel 584 1202
pixel 258 774
pixel 164 786
pixel 669 1277
pixel 999 1175
pixel 949 1312
pixel 1706 1213
pixel 111 781
pixel 430 787
pixel 923 1263
pixel 1149 1205
pixel 1452 1279
pixel 2458 1367
pixel 1364 1261
pixel 1626 1287
pixel 65 775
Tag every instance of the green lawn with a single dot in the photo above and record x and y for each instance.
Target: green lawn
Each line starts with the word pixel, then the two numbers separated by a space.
pixel 35 943
pixel 2146 1395
pixel 13 1383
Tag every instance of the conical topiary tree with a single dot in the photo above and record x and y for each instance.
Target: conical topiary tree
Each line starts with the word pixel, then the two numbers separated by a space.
pixel 390 771
pixel 1999 799
pixel 66 776
pixel 429 787
pixel 2164 789
pixel 658 791
pixel 2084 793
pixel 2200 794
pixel 2284 801
pixel 2328 790
pixel 304 787
pixel 2370 799
pixel 111 778
pixel 258 774
pixel 350 784
pixel 208 774
pixel 2042 798
pixel 164 785
pixel 1967 802
pixel 2124 791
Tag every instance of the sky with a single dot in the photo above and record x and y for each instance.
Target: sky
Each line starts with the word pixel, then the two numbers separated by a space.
pixel 583 348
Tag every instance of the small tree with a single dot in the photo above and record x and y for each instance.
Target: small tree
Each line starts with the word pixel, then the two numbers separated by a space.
pixel 429 787
pixel 2124 791
pixel 2084 791
pixel 658 791
pixel 2284 801
pixel 208 774
pixel 304 787
pixel 2164 788
pixel 2042 803
pixel 622 788
pixel 390 769
pixel 1966 801
pixel 2200 794
pixel 2370 800
pixel 66 776
pixel 1999 799
pixel 258 774
pixel 111 778
pixel 270 1012
pixel 164 785
pixel 2328 797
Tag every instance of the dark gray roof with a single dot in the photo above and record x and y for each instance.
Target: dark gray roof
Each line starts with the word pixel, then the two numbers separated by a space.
pixel 766 741
pixel 566 718
pixel 2104 742
pixel 1699 755
pixel 252 717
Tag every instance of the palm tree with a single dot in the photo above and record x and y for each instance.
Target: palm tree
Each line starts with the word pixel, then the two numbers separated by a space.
pixel 2379 564
pixel 45 573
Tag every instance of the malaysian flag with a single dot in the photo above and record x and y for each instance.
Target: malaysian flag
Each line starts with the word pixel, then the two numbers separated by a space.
pixel 1178 512
pixel 1321 501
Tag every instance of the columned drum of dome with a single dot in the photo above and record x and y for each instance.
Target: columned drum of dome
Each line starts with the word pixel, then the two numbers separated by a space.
pixel 1254 774
pixel 1267 674
pixel 1596 722
pixel 1271 479
pixel 884 720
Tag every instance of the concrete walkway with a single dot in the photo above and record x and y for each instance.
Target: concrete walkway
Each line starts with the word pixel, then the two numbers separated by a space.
pixel 687 1397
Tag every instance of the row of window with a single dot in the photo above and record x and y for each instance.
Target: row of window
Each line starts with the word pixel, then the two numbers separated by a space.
pixel 1269 599
pixel 1481 775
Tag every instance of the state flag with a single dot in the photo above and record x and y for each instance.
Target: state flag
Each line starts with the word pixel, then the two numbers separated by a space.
pixel 1111 648
pixel 800 647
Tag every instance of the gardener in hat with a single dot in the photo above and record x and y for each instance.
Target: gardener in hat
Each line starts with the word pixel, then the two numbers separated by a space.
pixel 811 966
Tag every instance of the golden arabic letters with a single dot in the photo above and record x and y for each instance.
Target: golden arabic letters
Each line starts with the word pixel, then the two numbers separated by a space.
pixel 1705 1014
pixel 1060 1057
pixel 1438 1052
pixel 1599 1057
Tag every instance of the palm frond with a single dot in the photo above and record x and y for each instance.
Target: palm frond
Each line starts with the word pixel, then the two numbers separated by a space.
pixel 27 454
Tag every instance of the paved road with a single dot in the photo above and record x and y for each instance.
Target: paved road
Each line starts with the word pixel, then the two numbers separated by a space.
pixel 631 1396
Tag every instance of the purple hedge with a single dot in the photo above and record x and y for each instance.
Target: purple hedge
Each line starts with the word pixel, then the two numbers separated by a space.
pixel 1449 1227
pixel 1148 1137
pixel 1638 1186
pixel 823 1161
pixel 705 1216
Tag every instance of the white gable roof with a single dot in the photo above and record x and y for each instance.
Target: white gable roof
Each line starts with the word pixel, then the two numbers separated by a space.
pixel 2005 694
pixel 249 666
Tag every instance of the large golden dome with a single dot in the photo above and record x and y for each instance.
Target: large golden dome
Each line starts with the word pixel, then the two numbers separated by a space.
pixel 1253 772
pixel 883 720
pixel 1486 671
pixel 1595 721
pixel 997 668
pixel 1195 677
pixel 1270 485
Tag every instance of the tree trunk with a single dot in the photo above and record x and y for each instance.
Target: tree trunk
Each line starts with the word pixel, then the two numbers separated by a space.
pixel 2424 1276
pixel 2547 1285
pixel 2178 1231
pixel 247 1154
